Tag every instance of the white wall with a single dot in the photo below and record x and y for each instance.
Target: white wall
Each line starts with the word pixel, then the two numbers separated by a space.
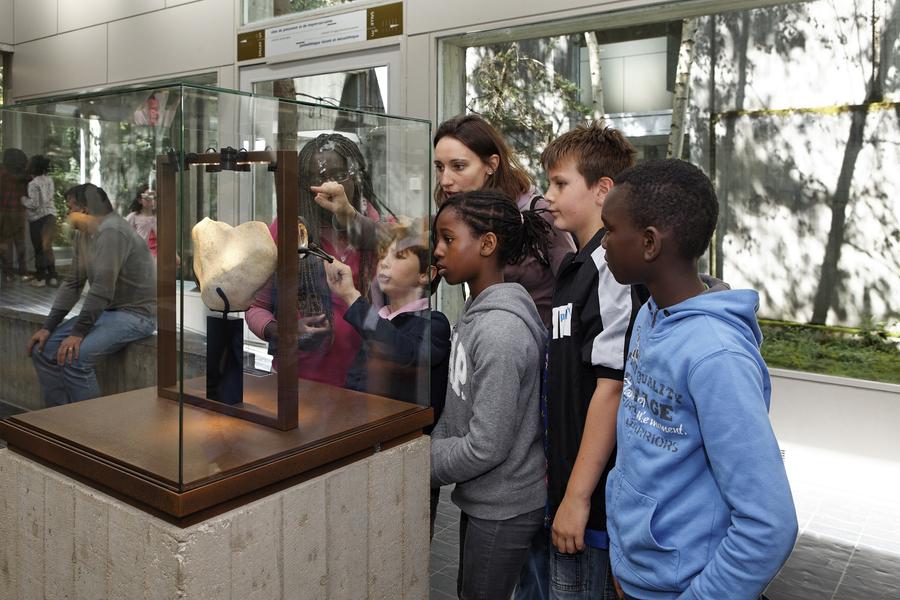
pixel 72 45
pixel 6 22
pixel 185 38
pixel 34 19
pixel 74 14
pixel 147 39
pixel 835 413
pixel 68 61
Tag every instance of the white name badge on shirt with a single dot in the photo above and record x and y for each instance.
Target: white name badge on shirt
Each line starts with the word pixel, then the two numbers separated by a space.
pixel 562 321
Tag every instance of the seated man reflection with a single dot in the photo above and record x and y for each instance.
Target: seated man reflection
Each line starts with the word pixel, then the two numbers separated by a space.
pixel 119 308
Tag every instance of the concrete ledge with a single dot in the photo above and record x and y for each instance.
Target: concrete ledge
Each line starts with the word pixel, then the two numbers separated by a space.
pixel 863 384
pixel 829 414
pixel 360 531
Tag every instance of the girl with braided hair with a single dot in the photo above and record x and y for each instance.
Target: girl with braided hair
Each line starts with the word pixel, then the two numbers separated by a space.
pixel 488 439
pixel 340 211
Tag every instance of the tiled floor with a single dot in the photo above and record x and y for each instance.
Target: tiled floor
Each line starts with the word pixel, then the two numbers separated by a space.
pixel 849 546
pixel 445 549
pixel 849 515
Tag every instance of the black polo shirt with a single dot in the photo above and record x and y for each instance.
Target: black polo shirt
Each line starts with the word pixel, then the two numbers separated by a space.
pixel 590 327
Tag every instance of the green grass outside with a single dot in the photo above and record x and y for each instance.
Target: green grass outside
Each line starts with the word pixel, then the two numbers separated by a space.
pixel 861 354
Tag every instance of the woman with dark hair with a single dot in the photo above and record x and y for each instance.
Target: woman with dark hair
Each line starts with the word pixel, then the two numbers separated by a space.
pixel 338 212
pixel 469 154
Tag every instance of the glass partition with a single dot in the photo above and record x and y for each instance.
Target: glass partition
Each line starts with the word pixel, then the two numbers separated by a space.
pixel 237 281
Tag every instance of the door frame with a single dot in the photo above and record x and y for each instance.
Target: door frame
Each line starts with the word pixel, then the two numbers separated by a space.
pixel 388 56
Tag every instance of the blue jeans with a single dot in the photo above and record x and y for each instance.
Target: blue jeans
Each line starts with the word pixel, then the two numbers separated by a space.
pixel 491 554
pixel 534 581
pixel 74 382
pixel 550 574
pixel 585 574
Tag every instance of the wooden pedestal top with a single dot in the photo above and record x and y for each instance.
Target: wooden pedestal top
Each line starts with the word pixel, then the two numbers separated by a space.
pixel 129 443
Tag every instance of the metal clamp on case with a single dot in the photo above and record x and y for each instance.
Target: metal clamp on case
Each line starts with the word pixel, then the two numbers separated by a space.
pixel 314 249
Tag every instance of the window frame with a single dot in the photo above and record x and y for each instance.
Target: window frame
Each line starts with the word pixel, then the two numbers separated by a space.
pixel 303 15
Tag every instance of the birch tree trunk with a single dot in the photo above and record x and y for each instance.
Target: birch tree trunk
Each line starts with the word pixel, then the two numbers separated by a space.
pixel 288 119
pixel 682 89
pixel 739 30
pixel 597 108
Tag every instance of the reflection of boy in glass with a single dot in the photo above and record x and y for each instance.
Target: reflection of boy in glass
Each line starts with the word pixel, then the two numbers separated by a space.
pixel 397 337
pixel 339 207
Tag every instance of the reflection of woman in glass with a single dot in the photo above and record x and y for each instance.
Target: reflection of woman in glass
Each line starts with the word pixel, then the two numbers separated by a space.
pixel 337 206
pixel 142 215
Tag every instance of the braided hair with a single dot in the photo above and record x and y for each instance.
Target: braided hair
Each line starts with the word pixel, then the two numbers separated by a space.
pixel 315 217
pixel 363 191
pixel 519 234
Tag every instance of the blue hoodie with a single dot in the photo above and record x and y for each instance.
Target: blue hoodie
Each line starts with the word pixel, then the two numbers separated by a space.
pixel 698 504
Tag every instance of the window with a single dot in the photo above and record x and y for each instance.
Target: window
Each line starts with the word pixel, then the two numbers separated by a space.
pixel 5 60
pixel 364 89
pixel 805 172
pixel 534 89
pixel 260 10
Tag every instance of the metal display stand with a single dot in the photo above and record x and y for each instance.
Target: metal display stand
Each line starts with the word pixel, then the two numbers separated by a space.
pixel 283 384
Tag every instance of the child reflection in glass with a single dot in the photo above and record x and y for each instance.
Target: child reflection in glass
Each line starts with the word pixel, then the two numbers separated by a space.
pixel 340 214
pixel 399 337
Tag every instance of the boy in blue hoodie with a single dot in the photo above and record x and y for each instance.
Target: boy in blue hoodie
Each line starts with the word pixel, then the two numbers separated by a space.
pixel 698 504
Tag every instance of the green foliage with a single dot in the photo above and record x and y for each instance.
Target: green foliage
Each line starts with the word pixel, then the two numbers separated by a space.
pixel 62 181
pixel 867 353
pixel 129 157
pixel 62 145
pixel 516 91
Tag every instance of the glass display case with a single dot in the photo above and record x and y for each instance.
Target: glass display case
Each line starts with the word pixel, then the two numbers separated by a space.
pixel 214 288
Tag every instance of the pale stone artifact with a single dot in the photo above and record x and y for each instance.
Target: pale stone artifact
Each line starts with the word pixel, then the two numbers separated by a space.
pixel 238 260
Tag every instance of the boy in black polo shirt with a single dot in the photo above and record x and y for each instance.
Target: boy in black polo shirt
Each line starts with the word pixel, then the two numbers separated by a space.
pixel 590 326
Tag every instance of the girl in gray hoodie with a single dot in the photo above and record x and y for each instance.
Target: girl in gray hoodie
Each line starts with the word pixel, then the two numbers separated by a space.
pixel 488 440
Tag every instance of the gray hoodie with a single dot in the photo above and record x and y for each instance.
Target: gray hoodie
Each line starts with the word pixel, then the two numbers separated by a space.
pixel 488 441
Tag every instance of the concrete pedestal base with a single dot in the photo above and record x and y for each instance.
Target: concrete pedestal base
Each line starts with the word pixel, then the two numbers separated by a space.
pixel 357 532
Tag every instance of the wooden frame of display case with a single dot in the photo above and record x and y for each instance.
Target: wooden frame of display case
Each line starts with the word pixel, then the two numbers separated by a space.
pixel 283 384
pixel 156 454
